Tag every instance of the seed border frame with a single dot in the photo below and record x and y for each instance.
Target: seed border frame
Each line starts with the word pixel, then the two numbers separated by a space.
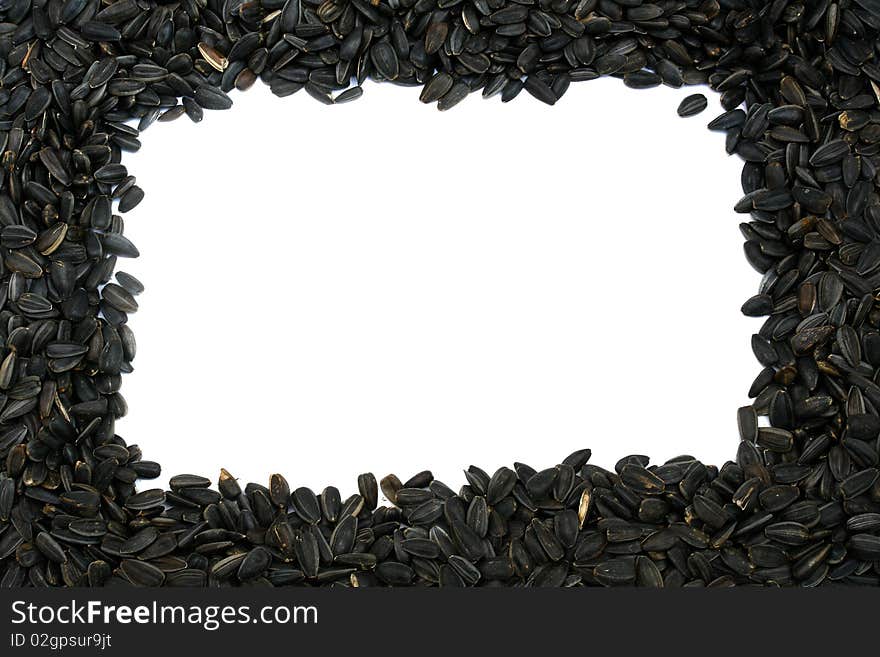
pixel 807 487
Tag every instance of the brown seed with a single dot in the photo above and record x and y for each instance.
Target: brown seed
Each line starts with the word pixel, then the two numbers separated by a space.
pixel 213 57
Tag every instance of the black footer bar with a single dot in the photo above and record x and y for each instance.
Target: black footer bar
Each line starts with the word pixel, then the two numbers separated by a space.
pixel 416 623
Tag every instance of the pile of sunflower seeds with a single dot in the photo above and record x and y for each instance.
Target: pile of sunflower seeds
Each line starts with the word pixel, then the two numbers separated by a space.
pixel 799 505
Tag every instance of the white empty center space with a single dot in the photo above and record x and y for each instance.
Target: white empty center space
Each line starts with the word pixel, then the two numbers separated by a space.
pixel 383 287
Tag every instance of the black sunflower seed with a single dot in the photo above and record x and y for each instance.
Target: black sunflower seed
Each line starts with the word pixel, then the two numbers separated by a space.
pixel 211 98
pixel 141 573
pixel 385 60
pixel 540 90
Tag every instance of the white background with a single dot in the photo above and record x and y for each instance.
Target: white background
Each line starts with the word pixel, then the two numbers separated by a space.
pixel 381 286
